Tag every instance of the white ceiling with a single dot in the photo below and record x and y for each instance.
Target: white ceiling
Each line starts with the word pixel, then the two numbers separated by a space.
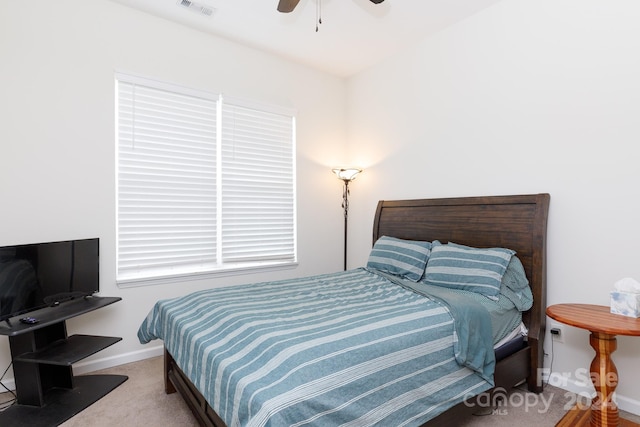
pixel 354 34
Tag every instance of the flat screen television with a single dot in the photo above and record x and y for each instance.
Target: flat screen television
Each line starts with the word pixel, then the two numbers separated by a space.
pixel 37 275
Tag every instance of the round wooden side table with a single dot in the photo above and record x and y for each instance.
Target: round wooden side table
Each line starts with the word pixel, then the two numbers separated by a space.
pixel 604 326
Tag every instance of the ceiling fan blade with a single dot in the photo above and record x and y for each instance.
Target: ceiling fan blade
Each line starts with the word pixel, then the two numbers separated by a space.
pixel 377 1
pixel 287 6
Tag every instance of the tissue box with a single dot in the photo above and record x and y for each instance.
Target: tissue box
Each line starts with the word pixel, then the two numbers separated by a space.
pixel 625 303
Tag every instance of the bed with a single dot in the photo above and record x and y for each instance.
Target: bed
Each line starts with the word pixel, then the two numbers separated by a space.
pixel 227 349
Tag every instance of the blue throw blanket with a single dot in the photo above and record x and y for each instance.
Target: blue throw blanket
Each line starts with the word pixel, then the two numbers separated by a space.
pixel 472 326
pixel 349 348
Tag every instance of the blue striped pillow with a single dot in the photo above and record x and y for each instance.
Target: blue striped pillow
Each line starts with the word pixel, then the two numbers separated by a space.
pixel 463 267
pixel 404 258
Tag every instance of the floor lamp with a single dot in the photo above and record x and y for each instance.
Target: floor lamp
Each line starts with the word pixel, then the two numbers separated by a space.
pixel 346 175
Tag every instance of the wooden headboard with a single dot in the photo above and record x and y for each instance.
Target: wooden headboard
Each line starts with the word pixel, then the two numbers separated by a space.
pixel 514 222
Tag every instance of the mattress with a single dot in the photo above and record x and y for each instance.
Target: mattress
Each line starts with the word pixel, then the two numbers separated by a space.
pixel 348 348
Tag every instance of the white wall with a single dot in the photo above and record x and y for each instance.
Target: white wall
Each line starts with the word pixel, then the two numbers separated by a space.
pixel 524 97
pixel 57 143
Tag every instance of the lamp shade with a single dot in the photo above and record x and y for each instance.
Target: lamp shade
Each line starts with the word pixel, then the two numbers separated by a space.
pixel 347 174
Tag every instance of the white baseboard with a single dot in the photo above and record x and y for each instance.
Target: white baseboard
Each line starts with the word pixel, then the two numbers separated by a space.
pixel 104 363
pixel 586 389
pixel 121 359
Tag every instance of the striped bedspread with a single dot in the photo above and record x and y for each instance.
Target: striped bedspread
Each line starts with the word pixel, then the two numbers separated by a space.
pixel 349 348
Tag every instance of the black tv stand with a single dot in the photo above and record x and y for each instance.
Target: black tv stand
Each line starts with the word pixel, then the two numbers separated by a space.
pixel 47 391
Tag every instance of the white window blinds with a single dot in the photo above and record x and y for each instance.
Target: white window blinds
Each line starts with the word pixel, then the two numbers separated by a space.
pixel 258 216
pixel 196 195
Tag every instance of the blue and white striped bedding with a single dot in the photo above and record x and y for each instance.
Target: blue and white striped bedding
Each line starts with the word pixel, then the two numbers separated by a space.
pixel 349 348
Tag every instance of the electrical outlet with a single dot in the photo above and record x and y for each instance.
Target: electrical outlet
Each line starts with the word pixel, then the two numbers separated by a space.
pixel 557 333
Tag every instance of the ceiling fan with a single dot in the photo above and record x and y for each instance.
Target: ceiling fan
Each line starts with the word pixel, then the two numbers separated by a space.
pixel 287 6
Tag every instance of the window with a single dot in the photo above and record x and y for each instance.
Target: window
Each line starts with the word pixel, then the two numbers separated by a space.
pixel 204 183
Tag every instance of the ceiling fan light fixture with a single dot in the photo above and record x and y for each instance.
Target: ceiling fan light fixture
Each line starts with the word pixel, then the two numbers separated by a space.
pixel 286 6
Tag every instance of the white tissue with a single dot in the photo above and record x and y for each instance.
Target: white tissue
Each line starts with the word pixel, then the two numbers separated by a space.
pixel 628 285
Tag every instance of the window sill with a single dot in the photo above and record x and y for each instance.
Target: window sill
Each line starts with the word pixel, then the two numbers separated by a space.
pixel 202 275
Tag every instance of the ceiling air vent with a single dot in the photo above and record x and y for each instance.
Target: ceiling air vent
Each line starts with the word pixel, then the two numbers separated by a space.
pixel 199 8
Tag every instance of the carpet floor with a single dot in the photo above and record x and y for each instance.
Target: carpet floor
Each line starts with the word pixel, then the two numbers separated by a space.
pixel 141 401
